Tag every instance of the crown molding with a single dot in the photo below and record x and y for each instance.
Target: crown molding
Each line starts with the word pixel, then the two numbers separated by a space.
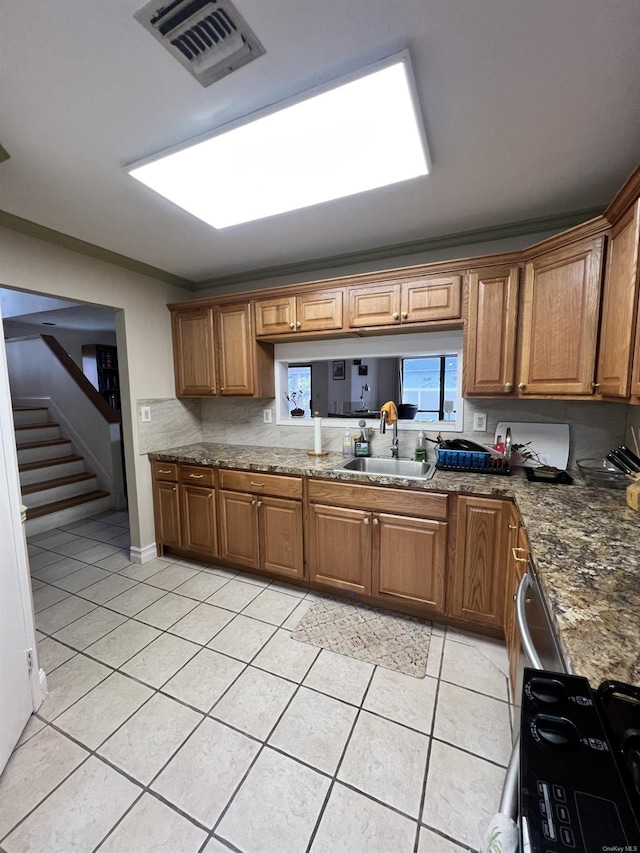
pixel 383 253
pixel 66 241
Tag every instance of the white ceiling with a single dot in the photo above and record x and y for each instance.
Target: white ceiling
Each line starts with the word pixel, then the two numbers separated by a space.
pixel 531 108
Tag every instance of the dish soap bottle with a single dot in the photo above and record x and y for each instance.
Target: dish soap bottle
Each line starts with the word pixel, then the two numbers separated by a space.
pixel 347 446
pixel 421 448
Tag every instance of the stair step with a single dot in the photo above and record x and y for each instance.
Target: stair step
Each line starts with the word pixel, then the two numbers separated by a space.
pixel 37 450
pixel 30 415
pixel 56 483
pixel 45 463
pixel 36 473
pixel 33 433
pixel 69 487
pixel 30 409
pixel 43 425
pixel 56 506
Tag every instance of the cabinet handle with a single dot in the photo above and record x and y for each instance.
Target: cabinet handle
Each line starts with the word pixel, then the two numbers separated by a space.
pixel 196 476
pixel 405 314
pixel 365 521
pixel 162 471
pixel 298 324
pixel 173 489
pixel 508 386
pixel 375 522
pixel 595 386
pixel 292 325
pixel 513 527
pixel 522 385
pixel 256 484
pixel 515 556
pixel 210 495
pixel 259 503
pixel 395 315
pixel 253 502
pixel 222 390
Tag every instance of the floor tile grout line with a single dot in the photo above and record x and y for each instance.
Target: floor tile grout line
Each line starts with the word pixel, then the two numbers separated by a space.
pixel 449 838
pixel 334 778
pixel 423 796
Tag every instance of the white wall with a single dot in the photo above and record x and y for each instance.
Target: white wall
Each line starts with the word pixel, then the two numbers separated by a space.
pixel 143 330
pixel 72 340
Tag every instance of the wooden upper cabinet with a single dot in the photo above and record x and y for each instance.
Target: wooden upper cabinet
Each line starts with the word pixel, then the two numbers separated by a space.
pixel 275 316
pixel 561 301
pixel 317 311
pixel 376 305
pixel 235 350
pixel 194 352
pixel 431 298
pixel 478 587
pixel 619 306
pixel 490 338
pixel 245 366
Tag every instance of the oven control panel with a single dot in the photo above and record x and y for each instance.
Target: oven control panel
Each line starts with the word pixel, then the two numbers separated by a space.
pixel 572 797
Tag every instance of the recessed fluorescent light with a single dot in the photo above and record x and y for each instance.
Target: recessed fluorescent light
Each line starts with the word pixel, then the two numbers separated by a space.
pixel 354 136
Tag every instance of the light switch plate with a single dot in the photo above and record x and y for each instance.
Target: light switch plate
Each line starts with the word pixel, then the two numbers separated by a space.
pixel 145 414
pixel 479 422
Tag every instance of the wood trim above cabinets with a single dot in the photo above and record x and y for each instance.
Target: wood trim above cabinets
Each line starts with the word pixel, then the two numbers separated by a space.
pixel 490 335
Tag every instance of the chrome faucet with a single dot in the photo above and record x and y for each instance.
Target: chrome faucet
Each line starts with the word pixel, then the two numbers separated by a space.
pixel 383 429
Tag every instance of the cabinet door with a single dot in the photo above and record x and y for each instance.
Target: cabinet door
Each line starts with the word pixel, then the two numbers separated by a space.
pixel 514 573
pixel 275 316
pixel 281 536
pixel 199 522
pixel 433 298
pixel 560 320
pixel 619 305
pixel 374 306
pixel 340 552
pixel 316 312
pixel 194 352
pixel 166 505
pixel 490 339
pixel 410 560
pixel 236 354
pixel 480 563
pixel 239 541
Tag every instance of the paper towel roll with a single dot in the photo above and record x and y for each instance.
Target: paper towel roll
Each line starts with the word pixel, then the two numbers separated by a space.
pixel 317 433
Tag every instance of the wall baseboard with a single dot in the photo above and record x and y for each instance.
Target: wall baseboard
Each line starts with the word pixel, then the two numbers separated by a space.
pixel 143 555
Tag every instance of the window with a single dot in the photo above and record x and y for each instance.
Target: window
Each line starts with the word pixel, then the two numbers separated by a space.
pixel 430 384
pixel 299 388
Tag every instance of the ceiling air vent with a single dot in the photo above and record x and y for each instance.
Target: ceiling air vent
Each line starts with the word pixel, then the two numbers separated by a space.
pixel 210 38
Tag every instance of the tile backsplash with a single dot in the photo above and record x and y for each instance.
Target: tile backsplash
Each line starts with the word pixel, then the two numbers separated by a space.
pixel 595 427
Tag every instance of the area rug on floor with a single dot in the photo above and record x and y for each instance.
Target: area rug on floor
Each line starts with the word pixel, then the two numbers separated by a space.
pixel 367 633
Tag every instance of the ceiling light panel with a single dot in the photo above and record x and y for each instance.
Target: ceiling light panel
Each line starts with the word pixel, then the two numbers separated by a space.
pixel 345 139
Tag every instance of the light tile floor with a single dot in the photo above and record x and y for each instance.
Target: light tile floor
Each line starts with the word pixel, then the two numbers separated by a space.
pixel 182 717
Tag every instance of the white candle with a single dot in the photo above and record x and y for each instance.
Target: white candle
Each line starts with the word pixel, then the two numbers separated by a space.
pixel 317 433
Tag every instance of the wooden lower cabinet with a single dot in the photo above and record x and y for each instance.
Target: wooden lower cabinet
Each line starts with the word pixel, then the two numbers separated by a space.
pixel 199 522
pixel 166 505
pixel 410 560
pixel 239 537
pixel 262 533
pixel 340 552
pixel 280 526
pixel 515 570
pixel 478 577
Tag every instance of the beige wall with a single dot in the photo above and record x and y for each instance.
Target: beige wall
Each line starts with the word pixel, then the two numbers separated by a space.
pixel 143 332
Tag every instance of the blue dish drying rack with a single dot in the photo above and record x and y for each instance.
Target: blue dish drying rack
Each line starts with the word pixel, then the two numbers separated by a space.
pixel 471 461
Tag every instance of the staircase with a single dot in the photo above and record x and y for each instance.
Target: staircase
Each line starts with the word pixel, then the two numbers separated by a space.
pixel 56 486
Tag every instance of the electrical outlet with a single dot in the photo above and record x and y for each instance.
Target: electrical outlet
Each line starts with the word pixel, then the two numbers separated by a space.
pixel 145 414
pixel 267 416
pixel 479 422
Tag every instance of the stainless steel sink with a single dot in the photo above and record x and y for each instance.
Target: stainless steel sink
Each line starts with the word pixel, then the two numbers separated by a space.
pixel 404 468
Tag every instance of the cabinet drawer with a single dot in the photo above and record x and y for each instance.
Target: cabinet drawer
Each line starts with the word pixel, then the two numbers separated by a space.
pixel 197 475
pixel 400 501
pixel 164 471
pixel 261 484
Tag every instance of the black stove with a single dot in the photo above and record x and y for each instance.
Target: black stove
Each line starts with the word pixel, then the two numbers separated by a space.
pixel 579 765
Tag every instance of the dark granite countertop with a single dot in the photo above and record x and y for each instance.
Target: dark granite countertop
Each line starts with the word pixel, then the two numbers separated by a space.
pixel 585 546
